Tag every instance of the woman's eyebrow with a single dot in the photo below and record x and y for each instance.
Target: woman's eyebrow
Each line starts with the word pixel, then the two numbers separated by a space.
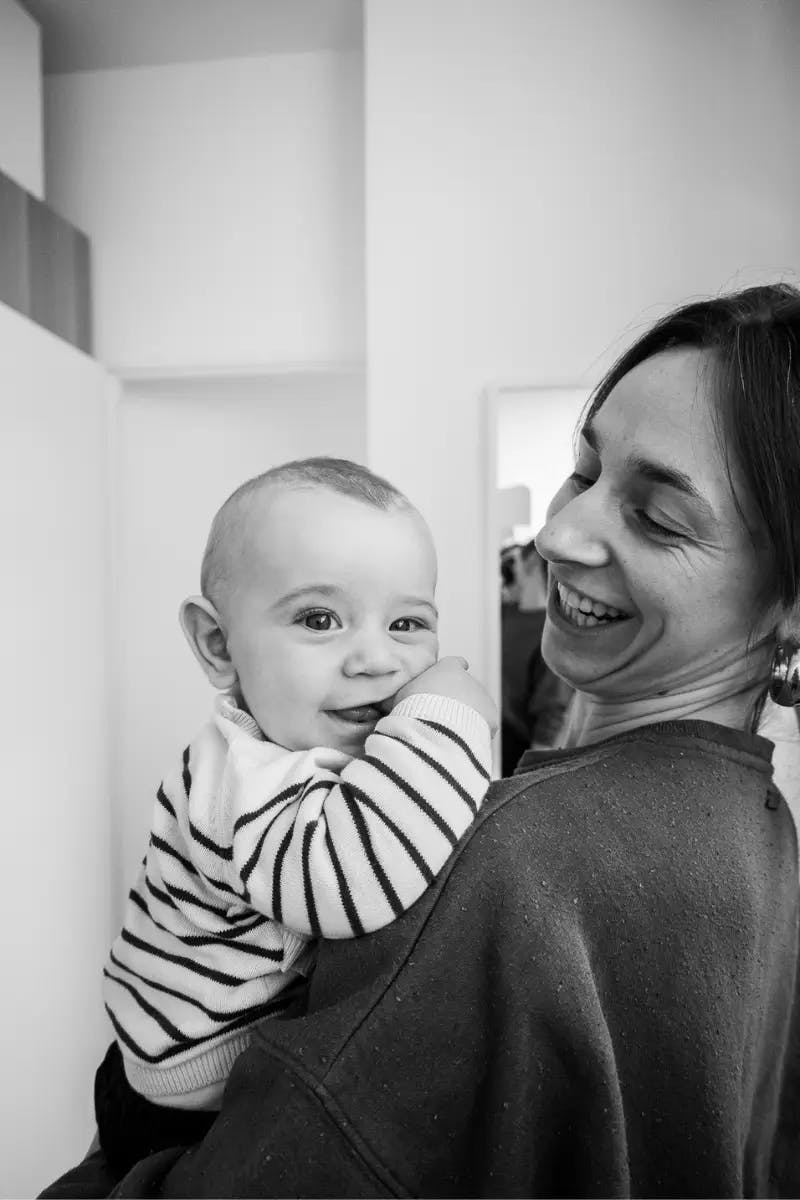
pixel 672 477
pixel 655 472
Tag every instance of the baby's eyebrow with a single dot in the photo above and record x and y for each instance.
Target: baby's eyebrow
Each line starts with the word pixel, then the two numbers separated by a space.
pixel 418 602
pixel 308 589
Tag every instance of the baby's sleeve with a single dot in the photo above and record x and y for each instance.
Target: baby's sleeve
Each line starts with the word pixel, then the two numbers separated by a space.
pixel 337 847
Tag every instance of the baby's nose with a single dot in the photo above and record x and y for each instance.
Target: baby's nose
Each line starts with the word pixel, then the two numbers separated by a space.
pixel 373 654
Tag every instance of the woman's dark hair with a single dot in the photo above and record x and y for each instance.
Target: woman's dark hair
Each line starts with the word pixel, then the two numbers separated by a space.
pixel 753 337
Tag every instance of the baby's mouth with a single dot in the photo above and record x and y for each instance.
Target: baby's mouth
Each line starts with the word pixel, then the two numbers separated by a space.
pixel 363 714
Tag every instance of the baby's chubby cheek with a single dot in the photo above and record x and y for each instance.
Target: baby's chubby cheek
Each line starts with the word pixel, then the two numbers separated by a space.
pixel 426 657
pixel 419 659
pixel 415 663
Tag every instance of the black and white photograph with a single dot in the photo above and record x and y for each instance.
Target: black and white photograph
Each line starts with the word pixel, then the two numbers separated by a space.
pixel 401 560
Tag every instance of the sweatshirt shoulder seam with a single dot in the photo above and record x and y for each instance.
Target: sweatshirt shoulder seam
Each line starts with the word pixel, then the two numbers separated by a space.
pixel 316 1087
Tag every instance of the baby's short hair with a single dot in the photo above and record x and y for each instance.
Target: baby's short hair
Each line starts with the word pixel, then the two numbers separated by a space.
pixel 337 474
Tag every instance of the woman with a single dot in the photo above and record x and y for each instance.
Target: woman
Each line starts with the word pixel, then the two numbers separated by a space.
pixel 598 997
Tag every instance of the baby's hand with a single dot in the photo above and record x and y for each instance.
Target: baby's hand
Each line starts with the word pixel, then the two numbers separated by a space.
pixel 450 677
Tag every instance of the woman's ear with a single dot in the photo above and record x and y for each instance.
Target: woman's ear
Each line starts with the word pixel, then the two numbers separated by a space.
pixel 201 624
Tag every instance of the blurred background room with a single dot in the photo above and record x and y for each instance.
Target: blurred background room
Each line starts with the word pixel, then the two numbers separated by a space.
pixel 234 232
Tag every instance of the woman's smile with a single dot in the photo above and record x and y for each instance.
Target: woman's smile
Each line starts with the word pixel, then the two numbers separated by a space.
pixel 582 610
pixel 572 612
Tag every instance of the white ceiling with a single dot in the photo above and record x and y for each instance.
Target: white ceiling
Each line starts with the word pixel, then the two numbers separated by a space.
pixel 91 35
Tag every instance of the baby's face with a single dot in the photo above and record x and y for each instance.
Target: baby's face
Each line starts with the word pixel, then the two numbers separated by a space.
pixel 331 612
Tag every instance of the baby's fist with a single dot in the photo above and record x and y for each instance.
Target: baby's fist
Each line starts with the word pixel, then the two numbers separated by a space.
pixel 450 677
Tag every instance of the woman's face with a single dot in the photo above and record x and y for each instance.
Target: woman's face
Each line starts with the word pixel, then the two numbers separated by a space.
pixel 654 577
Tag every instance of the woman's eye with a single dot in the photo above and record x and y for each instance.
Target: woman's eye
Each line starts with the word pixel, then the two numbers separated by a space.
pixel 583 482
pixel 320 621
pixel 656 527
pixel 407 625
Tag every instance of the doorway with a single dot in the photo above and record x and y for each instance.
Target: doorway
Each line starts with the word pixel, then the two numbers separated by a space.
pixel 529 442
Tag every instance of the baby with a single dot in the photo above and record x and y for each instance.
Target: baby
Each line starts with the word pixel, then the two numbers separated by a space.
pixel 340 768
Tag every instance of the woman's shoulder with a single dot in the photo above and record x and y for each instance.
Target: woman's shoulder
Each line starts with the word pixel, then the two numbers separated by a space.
pixel 675 801
pixel 642 771
pixel 659 741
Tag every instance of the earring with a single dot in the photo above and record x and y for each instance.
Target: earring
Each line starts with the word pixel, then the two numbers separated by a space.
pixel 784 683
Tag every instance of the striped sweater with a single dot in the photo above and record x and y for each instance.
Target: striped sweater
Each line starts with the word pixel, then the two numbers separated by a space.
pixel 255 850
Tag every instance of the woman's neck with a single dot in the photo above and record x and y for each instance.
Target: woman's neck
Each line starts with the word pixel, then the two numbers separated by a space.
pixel 591 719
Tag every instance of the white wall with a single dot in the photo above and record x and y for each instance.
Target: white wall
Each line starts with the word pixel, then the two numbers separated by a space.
pixel 542 179
pixel 535 433
pixel 21 154
pixel 54 884
pixel 181 449
pixel 224 202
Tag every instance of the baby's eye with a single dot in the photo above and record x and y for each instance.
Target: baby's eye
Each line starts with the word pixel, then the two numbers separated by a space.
pixel 320 620
pixel 407 625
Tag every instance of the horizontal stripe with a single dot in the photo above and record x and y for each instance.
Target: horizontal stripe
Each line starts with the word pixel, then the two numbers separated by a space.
pixel 225 937
pixel 254 1011
pixel 157 893
pixel 224 852
pixel 133 1045
pixel 286 794
pixel 224 914
pixel 165 848
pixel 219 884
pixel 187 963
pixel 169 1029
pixel 186 1047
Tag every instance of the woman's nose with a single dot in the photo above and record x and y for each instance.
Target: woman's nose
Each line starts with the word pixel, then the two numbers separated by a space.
pixel 372 654
pixel 576 531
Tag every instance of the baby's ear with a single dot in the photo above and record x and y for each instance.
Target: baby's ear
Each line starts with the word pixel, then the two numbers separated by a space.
pixel 204 632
